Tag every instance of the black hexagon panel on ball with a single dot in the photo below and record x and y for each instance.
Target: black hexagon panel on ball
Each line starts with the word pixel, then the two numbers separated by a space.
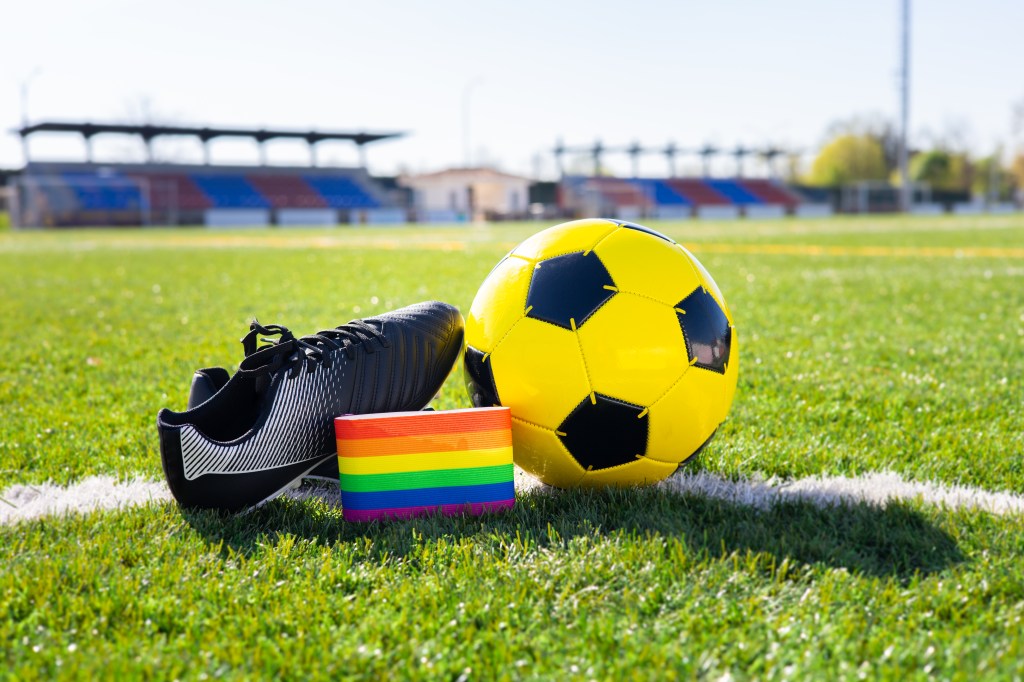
pixel 706 330
pixel 566 290
pixel 602 432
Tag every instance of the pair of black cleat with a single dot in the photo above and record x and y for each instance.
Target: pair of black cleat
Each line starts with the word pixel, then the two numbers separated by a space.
pixel 245 439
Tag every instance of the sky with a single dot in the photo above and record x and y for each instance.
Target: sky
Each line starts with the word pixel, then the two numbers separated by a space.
pixel 499 83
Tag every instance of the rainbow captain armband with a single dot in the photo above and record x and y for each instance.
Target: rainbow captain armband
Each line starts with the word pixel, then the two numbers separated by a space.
pixel 404 464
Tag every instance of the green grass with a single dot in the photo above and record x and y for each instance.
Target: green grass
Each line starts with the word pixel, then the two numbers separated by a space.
pixel 909 360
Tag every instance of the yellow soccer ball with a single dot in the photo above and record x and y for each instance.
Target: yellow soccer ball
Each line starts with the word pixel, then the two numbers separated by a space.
pixel 613 348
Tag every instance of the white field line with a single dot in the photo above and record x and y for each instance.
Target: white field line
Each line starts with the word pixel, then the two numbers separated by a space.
pixel 25 502
pixel 876 489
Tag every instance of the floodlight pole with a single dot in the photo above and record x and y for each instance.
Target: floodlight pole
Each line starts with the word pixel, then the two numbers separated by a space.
pixel 905 188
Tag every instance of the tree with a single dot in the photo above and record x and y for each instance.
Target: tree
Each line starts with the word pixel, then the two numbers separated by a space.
pixel 934 167
pixel 877 127
pixel 961 171
pixel 991 180
pixel 941 170
pixel 849 158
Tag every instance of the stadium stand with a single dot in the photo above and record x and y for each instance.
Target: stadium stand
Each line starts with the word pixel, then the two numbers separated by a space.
pixel 75 193
pixel 54 194
pixel 120 194
pixel 677 197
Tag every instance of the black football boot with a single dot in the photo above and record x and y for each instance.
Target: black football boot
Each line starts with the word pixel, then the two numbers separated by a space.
pixel 246 438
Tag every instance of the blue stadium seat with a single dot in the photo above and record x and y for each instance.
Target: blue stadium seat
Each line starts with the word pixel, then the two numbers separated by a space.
pixel 101 193
pixel 341 192
pixel 733 191
pixel 230 191
pixel 661 193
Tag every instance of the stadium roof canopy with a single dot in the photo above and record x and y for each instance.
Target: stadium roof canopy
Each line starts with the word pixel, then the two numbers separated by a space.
pixel 148 132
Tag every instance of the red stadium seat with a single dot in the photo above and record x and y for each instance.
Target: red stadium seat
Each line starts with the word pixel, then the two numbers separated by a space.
pixel 286 191
pixel 770 192
pixel 698 193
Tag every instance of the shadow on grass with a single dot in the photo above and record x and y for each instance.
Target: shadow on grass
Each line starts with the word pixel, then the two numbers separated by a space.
pixel 895 541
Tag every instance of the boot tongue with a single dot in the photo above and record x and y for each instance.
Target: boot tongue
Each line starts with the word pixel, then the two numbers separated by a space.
pixel 262 383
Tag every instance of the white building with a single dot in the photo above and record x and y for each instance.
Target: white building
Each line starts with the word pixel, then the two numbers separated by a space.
pixel 467 194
